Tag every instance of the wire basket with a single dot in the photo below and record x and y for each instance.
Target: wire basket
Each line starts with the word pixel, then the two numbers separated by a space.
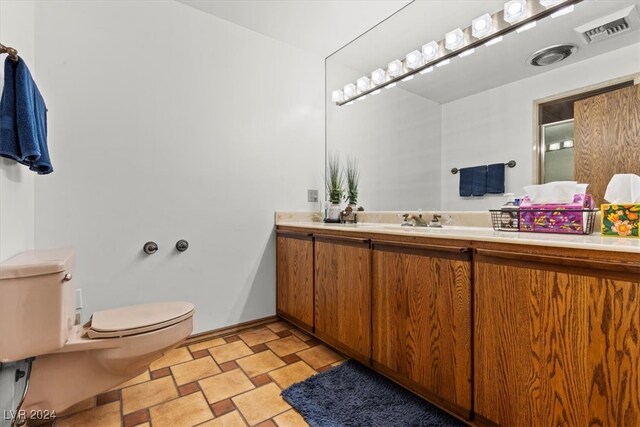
pixel 561 221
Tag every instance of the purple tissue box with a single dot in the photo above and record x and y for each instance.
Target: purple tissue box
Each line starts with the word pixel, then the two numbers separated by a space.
pixel 556 217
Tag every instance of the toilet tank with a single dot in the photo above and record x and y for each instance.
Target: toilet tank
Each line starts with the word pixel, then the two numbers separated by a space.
pixel 37 303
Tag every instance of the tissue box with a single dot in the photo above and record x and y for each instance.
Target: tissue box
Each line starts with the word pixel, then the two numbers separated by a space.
pixel 620 220
pixel 566 218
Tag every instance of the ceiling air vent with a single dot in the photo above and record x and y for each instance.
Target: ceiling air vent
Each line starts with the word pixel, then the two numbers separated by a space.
pixel 610 25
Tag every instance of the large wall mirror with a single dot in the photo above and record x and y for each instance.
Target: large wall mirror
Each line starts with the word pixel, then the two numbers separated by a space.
pixel 483 108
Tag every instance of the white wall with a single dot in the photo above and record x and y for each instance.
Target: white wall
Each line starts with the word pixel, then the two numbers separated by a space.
pixel 16 181
pixel 497 125
pixel 168 123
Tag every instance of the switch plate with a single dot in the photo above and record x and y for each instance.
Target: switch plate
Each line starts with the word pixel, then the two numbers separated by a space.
pixel 312 195
pixel 79 299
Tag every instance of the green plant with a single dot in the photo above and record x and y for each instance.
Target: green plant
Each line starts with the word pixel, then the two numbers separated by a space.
pixel 353 178
pixel 334 180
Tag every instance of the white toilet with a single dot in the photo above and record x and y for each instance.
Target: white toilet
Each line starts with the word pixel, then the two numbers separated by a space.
pixel 75 362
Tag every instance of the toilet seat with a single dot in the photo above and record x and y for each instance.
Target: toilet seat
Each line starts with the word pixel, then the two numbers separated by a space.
pixel 137 319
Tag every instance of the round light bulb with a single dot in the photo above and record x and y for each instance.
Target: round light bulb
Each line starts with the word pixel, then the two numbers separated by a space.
pixel 429 50
pixel 393 66
pixel 480 25
pixel 412 58
pixel 515 8
pixel 451 38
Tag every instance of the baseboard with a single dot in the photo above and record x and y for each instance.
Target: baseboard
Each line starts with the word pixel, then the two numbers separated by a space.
pixel 228 330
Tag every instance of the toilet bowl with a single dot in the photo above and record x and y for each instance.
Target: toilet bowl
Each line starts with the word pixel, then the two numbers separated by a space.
pixel 75 362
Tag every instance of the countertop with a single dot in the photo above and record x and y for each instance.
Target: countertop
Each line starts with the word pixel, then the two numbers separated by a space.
pixel 594 241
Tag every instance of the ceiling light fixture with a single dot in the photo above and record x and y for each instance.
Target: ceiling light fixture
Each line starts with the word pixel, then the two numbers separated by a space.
pixel 482 26
pixel 363 83
pixel 454 39
pixel 488 29
pixel 378 77
pixel 515 10
pixel 413 60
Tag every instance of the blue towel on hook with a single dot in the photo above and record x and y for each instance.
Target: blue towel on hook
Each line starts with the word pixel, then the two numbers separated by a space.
pixel 23 119
pixel 495 178
pixel 479 181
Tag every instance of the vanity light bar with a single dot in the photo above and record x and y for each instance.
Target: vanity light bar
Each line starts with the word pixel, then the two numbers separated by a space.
pixel 439 53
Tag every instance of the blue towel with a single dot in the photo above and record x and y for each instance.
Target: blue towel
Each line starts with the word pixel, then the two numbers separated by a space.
pixel 495 178
pixel 466 180
pixel 479 181
pixel 23 119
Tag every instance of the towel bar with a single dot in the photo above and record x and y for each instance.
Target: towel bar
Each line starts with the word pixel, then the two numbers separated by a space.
pixel 510 163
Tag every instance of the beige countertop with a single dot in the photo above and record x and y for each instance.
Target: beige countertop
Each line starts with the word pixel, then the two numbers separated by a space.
pixel 594 241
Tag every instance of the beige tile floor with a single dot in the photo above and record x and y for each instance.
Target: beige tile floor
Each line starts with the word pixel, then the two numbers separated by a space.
pixel 231 381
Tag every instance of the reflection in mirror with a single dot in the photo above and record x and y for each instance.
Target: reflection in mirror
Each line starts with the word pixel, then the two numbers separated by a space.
pixel 479 109
pixel 557 140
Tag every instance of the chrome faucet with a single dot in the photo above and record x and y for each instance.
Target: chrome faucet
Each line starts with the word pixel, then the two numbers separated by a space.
pixel 414 220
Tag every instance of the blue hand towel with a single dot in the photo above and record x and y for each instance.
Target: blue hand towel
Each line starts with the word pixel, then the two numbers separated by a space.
pixel 479 181
pixel 466 180
pixel 23 119
pixel 495 178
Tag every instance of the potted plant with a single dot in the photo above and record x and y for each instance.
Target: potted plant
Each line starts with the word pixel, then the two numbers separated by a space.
pixel 353 178
pixel 334 181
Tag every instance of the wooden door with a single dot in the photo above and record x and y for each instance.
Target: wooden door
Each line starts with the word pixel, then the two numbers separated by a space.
pixel 294 271
pixel 421 299
pixel 555 347
pixel 343 294
pixel 607 138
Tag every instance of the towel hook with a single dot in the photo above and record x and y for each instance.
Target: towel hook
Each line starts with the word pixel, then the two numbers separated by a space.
pixel 13 53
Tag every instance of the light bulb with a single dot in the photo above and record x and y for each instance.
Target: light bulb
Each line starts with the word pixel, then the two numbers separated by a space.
pixel 482 26
pixel 413 60
pixel 363 83
pixel 426 70
pixel 392 85
pixel 515 10
pixel 394 68
pixel 555 146
pixel 406 79
pixel 349 90
pixel 337 96
pixel 430 50
pixel 454 39
pixel 567 144
pixel 378 77
pixel 443 63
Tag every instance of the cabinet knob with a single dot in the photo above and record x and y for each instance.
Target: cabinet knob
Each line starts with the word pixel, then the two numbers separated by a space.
pixel 182 245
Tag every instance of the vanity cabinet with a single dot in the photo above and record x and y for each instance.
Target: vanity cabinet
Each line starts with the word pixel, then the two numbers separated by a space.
pixel 294 278
pixel 421 299
pixel 343 294
pixel 556 340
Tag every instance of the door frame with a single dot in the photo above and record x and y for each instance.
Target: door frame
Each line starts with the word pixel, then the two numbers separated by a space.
pixel 538 149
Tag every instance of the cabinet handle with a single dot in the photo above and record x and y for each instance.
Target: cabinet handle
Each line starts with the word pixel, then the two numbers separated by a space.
pixel 294 235
pixel 439 248
pixel 329 239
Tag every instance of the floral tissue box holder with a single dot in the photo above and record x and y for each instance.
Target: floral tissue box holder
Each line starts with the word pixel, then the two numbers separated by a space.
pixel 566 218
pixel 620 220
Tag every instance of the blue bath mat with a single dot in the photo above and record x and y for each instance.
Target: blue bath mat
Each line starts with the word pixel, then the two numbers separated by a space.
pixel 353 395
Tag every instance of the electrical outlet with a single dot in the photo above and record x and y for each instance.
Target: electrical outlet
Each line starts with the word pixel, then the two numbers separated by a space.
pixel 312 195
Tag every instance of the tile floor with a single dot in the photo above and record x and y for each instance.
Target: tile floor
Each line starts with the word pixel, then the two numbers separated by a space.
pixel 228 381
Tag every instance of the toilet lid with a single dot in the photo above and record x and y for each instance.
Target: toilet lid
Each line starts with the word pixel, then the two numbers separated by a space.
pixel 137 319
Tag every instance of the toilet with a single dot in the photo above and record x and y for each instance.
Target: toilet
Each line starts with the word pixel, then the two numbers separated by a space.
pixel 75 362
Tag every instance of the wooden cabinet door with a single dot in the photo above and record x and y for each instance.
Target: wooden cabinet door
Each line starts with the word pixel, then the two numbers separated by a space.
pixel 555 345
pixel 607 138
pixel 343 294
pixel 294 271
pixel 421 299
